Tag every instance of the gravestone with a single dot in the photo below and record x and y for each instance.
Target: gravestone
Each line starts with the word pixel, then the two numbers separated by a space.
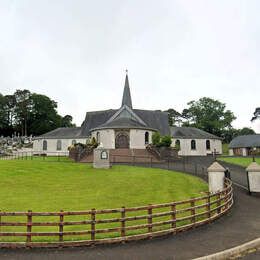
pixel 101 157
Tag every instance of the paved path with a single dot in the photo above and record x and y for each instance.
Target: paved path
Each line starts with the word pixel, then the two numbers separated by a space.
pixel 239 226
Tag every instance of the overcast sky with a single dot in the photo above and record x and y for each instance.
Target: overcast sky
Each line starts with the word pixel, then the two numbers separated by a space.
pixel 76 52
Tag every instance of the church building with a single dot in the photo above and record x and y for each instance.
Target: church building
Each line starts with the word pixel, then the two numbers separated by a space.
pixel 126 128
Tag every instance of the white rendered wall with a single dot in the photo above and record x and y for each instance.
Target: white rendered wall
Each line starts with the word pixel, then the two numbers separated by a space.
pixel 137 138
pixel 231 152
pixel 52 145
pixel 185 147
pixel 244 151
pixel 107 137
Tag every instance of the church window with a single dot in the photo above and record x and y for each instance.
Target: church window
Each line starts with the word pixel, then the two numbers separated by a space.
pixel 44 145
pixel 193 145
pixel 58 145
pixel 208 144
pixel 146 138
pixel 178 144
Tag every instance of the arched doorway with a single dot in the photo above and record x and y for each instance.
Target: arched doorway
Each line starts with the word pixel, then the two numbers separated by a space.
pixel 122 140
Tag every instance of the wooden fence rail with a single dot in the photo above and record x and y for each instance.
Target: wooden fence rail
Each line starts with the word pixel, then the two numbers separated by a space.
pixel 124 224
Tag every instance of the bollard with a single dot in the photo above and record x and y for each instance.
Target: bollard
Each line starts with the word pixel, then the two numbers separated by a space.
pixel 253 177
pixel 216 176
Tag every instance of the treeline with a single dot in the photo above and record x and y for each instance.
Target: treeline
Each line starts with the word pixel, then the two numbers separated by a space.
pixel 29 113
pixel 211 116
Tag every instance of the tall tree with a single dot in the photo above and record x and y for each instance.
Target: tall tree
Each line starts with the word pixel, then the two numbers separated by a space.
pixel 3 117
pixel 174 117
pixel 209 115
pixel 43 115
pixel 66 121
pixel 22 108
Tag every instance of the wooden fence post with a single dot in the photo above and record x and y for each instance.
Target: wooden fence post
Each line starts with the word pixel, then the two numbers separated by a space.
pixel 192 211
pixel 123 222
pixel 208 206
pixel 61 226
pixel 173 208
pixel 93 224
pixel 150 218
pixel 29 226
pixel 219 203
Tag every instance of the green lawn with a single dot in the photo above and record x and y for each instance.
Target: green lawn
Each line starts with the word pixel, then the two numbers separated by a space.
pixel 239 160
pixel 47 185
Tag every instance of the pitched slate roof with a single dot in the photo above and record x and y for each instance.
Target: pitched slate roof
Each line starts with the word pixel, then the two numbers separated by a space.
pixel 155 120
pixel 95 119
pixel 245 141
pixel 122 123
pixel 191 133
pixel 63 133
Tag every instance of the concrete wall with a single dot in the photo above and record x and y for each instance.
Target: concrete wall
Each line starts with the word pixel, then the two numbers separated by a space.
pixel 185 147
pixel 106 136
pixel 137 138
pixel 52 145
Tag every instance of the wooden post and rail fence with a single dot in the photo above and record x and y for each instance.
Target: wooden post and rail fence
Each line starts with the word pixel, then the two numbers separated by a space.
pixel 121 224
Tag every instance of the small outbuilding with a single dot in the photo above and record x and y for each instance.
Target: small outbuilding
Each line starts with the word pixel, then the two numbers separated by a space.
pixel 244 145
pixel 192 141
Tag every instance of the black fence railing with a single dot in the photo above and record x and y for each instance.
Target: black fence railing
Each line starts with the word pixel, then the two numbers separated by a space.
pixel 37 155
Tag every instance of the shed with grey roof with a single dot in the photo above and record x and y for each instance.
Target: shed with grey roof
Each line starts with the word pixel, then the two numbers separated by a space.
pixel 244 145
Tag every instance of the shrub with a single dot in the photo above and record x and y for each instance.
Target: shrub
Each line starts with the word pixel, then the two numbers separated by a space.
pixel 166 141
pixel 161 141
pixel 94 142
pixel 156 137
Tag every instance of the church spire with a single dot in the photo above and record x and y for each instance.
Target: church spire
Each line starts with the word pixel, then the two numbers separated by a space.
pixel 127 95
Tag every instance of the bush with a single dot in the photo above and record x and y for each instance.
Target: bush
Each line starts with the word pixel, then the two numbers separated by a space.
pixel 156 137
pixel 161 141
pixel 166 141
pixel 94 142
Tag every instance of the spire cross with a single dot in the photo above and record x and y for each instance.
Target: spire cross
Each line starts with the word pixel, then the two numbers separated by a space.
pixel 126 71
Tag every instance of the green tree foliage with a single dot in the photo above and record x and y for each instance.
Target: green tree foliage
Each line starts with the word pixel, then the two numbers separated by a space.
pixel 29 113
pixel 209 115
pixel 43 115
pixel 161 141
pixel 174 117
pixel 230 134
pixel 166 141
pixel 156 137
pixel 22 109
pixel 66 121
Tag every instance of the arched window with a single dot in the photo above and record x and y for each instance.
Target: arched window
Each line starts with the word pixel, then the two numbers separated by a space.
pixel 208 144
pixel 58 145
pixel 44 145
pixel 146 138
pixel 193 145
pixel 73 142
pixel 98 137
pixel 178 144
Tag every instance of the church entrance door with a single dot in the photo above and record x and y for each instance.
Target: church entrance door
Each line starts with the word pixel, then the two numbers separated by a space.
pixel 122 140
